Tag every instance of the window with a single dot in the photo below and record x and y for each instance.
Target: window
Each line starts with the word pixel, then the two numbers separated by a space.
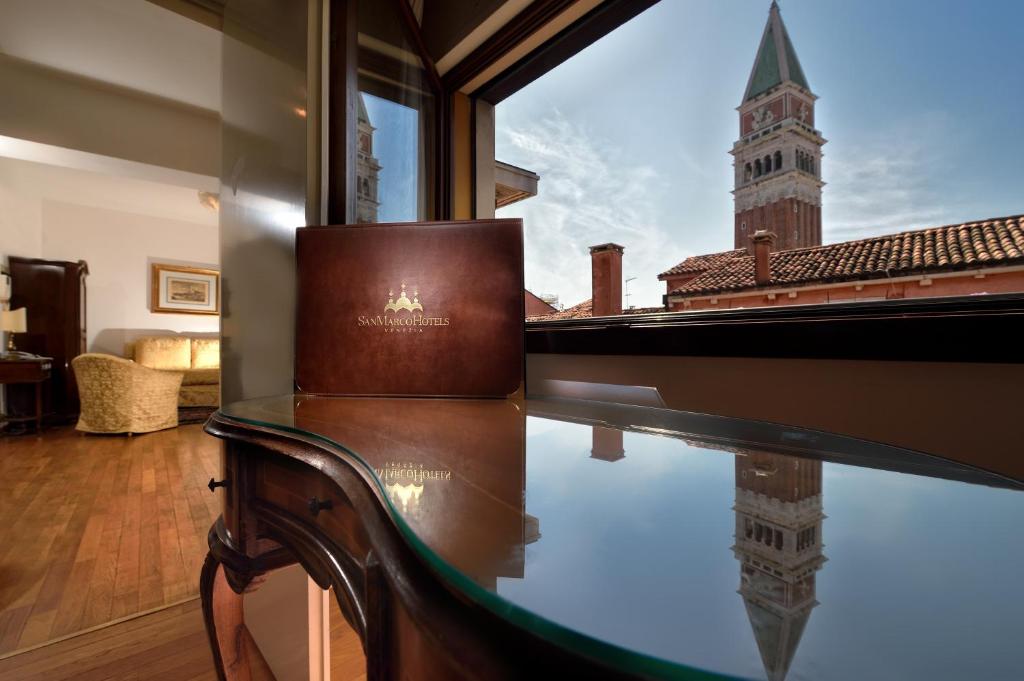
pixel 592 138
pixel 395 122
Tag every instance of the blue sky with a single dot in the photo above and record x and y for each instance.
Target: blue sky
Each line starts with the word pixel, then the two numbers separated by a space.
pixel 398 127
pixel 922 103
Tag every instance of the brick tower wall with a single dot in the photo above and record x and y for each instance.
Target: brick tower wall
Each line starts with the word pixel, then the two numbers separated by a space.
pixel 795 223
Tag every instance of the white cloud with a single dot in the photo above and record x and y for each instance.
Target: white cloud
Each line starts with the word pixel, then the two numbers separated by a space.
pixel 890 182
pixel 588 194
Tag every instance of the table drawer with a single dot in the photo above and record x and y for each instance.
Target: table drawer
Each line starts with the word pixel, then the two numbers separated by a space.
pixel 293 486
pixel 24 372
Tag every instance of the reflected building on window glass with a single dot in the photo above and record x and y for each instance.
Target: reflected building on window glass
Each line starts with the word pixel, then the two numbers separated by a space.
pixel 396 127
pixel 367 168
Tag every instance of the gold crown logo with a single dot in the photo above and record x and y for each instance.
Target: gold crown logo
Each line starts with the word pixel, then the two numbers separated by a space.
pixel 405 495
pixel 403 302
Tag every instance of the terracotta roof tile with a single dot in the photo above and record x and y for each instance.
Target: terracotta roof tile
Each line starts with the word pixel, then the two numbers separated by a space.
pixel 584 310
pixel 986 243
pixel 578 311
pixel 702 263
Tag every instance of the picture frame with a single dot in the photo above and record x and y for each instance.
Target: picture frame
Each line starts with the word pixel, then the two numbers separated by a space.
pixel 177 289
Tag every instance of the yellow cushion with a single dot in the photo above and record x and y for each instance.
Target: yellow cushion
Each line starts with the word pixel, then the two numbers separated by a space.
pixel 205 353
pixel 164 352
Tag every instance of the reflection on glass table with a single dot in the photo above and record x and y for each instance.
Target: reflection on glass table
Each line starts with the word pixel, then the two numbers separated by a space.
pixel 676 544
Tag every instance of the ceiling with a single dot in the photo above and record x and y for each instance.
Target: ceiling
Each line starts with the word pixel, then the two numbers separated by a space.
pixel 130 43
pixel 126 43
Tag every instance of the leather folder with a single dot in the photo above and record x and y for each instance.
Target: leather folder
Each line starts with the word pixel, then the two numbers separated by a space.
pixel 410 309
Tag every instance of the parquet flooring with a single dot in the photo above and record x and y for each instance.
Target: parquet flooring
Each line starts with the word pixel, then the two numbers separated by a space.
pixel 169 645
pixel 97 528
pixel 347 660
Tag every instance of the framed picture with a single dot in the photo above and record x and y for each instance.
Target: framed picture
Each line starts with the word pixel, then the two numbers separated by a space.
pixel 185 290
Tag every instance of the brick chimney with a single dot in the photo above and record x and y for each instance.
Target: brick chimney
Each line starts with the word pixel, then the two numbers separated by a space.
pixel 606 279
pixel 763 242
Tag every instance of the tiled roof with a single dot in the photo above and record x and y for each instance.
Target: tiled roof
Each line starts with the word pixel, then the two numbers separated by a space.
pixel 578 311
pixel 986 243
pixel 702 263
pixel 584 310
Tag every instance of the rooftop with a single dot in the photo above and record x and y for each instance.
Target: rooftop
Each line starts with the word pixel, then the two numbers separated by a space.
pixel 702 263
pixel 584 310
pixel 984 243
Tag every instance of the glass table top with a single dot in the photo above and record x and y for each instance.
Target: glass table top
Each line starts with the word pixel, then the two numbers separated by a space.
pixel 691 546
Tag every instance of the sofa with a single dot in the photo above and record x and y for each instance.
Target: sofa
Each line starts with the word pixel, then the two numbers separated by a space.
pixel 119 396
pixel 196 358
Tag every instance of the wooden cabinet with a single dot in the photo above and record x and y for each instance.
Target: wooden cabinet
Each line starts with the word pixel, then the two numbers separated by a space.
pixel 53 291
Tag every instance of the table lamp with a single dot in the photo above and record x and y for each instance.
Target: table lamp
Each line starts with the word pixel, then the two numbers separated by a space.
pixel 13 321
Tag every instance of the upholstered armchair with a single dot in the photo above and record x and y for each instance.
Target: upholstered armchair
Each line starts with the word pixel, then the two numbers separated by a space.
pixel 120 396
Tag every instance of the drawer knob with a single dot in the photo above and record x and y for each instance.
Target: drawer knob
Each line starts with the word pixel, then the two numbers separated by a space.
pixel 317 505
pixel 214 484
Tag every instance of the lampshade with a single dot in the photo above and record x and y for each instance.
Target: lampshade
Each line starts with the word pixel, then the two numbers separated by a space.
pixel 14 321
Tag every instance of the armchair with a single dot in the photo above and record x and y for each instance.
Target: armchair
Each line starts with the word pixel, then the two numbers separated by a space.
pixel 120 396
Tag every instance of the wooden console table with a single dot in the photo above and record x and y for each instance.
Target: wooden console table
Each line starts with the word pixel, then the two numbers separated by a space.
pixel 20 368
pixel 465 541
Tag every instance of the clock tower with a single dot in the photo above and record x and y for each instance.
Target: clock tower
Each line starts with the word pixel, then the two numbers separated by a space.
pixel 777 158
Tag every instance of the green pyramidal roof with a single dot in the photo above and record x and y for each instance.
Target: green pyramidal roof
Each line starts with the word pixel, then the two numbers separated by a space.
pixel 776 60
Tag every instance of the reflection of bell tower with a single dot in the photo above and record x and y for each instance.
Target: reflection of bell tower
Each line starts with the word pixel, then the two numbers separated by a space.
pixel 367 168
pixel 778 543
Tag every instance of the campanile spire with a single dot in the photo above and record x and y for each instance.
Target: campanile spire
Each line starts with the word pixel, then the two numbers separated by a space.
pixel 777 158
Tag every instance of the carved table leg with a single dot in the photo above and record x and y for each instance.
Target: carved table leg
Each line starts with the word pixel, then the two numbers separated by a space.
pixel 377 629
pixel 236 656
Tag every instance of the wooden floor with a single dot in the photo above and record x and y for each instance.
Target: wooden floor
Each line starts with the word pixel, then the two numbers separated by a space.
pixel 169 645
pixel 97 528
pixel 347 660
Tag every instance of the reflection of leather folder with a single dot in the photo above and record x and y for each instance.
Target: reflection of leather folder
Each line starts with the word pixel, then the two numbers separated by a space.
pixel 454 469
pixel 428 309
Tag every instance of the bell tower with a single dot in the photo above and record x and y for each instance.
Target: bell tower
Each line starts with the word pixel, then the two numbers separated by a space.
pixel 777 159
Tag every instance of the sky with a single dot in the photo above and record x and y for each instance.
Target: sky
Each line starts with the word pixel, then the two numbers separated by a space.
pixel 921 102
pixel 398 176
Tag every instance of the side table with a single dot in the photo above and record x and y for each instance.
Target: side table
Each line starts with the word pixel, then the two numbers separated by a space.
pixel 24 368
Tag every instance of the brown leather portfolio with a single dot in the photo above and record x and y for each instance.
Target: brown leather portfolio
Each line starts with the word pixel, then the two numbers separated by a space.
pixel 417 309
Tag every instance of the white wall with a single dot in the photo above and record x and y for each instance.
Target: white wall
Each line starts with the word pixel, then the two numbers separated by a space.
pixel 119 248
pixel 21 227
pixel 118 226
